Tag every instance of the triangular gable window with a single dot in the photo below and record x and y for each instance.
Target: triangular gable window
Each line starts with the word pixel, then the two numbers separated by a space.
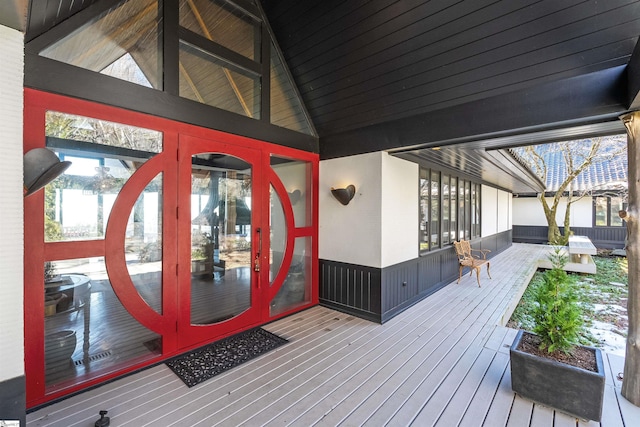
pixel 128 33
pixel 286 108
pixel 219 56
pixel 126 68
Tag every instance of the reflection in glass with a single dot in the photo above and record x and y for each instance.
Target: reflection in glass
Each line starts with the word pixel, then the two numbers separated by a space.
pixel 278 237
pixel 224 23
pixel 617 205
pixel 87 330
pixel 220 238
pixel 206 79
pixel 424 209
pixel 296 289
pixel 435 210
pixel 296 178
pixel 122 42
pixel 143 244
pixel 454 202
pixel 104 155
pixel 287 109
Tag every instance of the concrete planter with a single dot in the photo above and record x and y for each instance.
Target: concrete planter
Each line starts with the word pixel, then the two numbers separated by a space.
pixel 569 389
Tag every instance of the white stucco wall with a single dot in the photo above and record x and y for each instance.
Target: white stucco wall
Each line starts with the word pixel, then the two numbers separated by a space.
pixel 504 211
pixel 352 233
pixel 379 227
pixel 399 210
pixel 528 211
pixel 11 208
pixel 489 214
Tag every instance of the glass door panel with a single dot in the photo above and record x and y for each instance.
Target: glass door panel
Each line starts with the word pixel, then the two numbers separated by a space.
pixel 88 331
pixel 221 237
pixel 296 288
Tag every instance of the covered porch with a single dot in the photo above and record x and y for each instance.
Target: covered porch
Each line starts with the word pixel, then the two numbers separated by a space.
pixel 445 362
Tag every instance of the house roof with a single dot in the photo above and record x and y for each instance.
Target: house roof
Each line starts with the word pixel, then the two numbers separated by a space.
pixel 607 173
pixel 407 76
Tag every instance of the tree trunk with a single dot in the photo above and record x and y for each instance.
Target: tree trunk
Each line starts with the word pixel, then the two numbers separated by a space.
pixel 631 381
pixel 553 233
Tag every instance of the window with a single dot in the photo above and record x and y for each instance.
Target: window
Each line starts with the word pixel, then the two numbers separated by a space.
pixel 605 211
pixel 449 209
pixel 219 56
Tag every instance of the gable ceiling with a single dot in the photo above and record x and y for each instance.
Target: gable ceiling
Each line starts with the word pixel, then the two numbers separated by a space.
pixel 404 73
pixel 410 75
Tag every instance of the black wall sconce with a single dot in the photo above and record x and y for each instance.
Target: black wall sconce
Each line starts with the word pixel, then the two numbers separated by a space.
pixel 344 195
pixel 41 166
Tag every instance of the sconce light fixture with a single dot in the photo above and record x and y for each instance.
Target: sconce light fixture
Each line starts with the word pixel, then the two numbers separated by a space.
pixel 295 196
pixel 344 195
pixel 41 166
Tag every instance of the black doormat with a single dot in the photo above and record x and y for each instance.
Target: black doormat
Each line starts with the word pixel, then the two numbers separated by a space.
pixel 213 359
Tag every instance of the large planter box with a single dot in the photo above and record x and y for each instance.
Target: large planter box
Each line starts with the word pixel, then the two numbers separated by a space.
pixel 569 389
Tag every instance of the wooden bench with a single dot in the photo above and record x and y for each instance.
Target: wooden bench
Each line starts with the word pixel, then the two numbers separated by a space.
pixel 467 259
pixel 578 251
pixel 582 247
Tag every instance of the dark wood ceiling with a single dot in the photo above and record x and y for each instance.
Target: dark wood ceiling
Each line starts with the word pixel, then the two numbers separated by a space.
pixel 371 69
pixel 414 74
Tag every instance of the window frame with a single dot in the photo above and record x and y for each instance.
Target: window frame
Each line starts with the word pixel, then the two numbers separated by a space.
pixel 609 214
pixel 466 204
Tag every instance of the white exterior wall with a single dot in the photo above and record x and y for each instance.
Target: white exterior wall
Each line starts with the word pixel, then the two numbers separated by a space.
pixel 489 211
pixel 379 227
pixel 400 213
pixel 11 219
pixel 528 211
pixel 497 210
pixel 504 211
pixel 352 233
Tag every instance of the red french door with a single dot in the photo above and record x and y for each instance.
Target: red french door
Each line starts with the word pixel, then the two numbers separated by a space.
pixel 220 243
pixel 159 238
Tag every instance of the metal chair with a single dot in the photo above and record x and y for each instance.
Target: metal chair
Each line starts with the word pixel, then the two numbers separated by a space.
pixel 467 259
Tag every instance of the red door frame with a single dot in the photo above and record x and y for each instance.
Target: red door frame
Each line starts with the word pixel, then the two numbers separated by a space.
pixel 188 334
pixel 165 324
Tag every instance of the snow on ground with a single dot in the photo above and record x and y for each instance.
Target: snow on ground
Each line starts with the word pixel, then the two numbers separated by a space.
pixel 612 333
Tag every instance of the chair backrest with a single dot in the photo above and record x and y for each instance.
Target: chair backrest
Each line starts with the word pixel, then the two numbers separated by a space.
pixel 463 249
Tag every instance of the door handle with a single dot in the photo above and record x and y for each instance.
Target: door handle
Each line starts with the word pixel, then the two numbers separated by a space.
pixel 256 262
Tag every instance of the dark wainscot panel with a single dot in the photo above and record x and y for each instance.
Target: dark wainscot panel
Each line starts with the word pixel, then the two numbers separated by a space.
pixel 13 401
pixel 379 294
pixel 601 237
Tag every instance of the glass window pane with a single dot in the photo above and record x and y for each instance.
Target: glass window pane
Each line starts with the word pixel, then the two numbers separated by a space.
pixel 435 210
pixel 296 178
pixel 445 209
pixel 472 210
pixel 224 23
pixel 424 209
pixel 467 207
pixel 454 203
pixel 278 235
pixel 616 206
pixel 87 330
pixel 601 211
pixel 143 244
pixel 287 109
pixel 78 203
pixel 296 289
pixel 209 80
pixel 220 238
pixel 67 129
pixel 122 42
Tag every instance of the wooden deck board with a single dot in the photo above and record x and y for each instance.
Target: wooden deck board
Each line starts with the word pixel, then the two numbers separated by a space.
pixel 443 362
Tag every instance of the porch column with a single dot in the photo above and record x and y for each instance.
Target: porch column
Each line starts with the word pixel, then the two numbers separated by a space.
pixel 631 381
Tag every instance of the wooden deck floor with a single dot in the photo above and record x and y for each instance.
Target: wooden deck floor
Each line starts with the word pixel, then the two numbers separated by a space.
pixel 443 362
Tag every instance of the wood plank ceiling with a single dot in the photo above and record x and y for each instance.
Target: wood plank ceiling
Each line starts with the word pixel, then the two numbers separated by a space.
pixel 414 74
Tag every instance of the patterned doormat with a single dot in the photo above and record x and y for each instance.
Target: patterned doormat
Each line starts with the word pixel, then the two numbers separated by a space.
pixel 206 362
